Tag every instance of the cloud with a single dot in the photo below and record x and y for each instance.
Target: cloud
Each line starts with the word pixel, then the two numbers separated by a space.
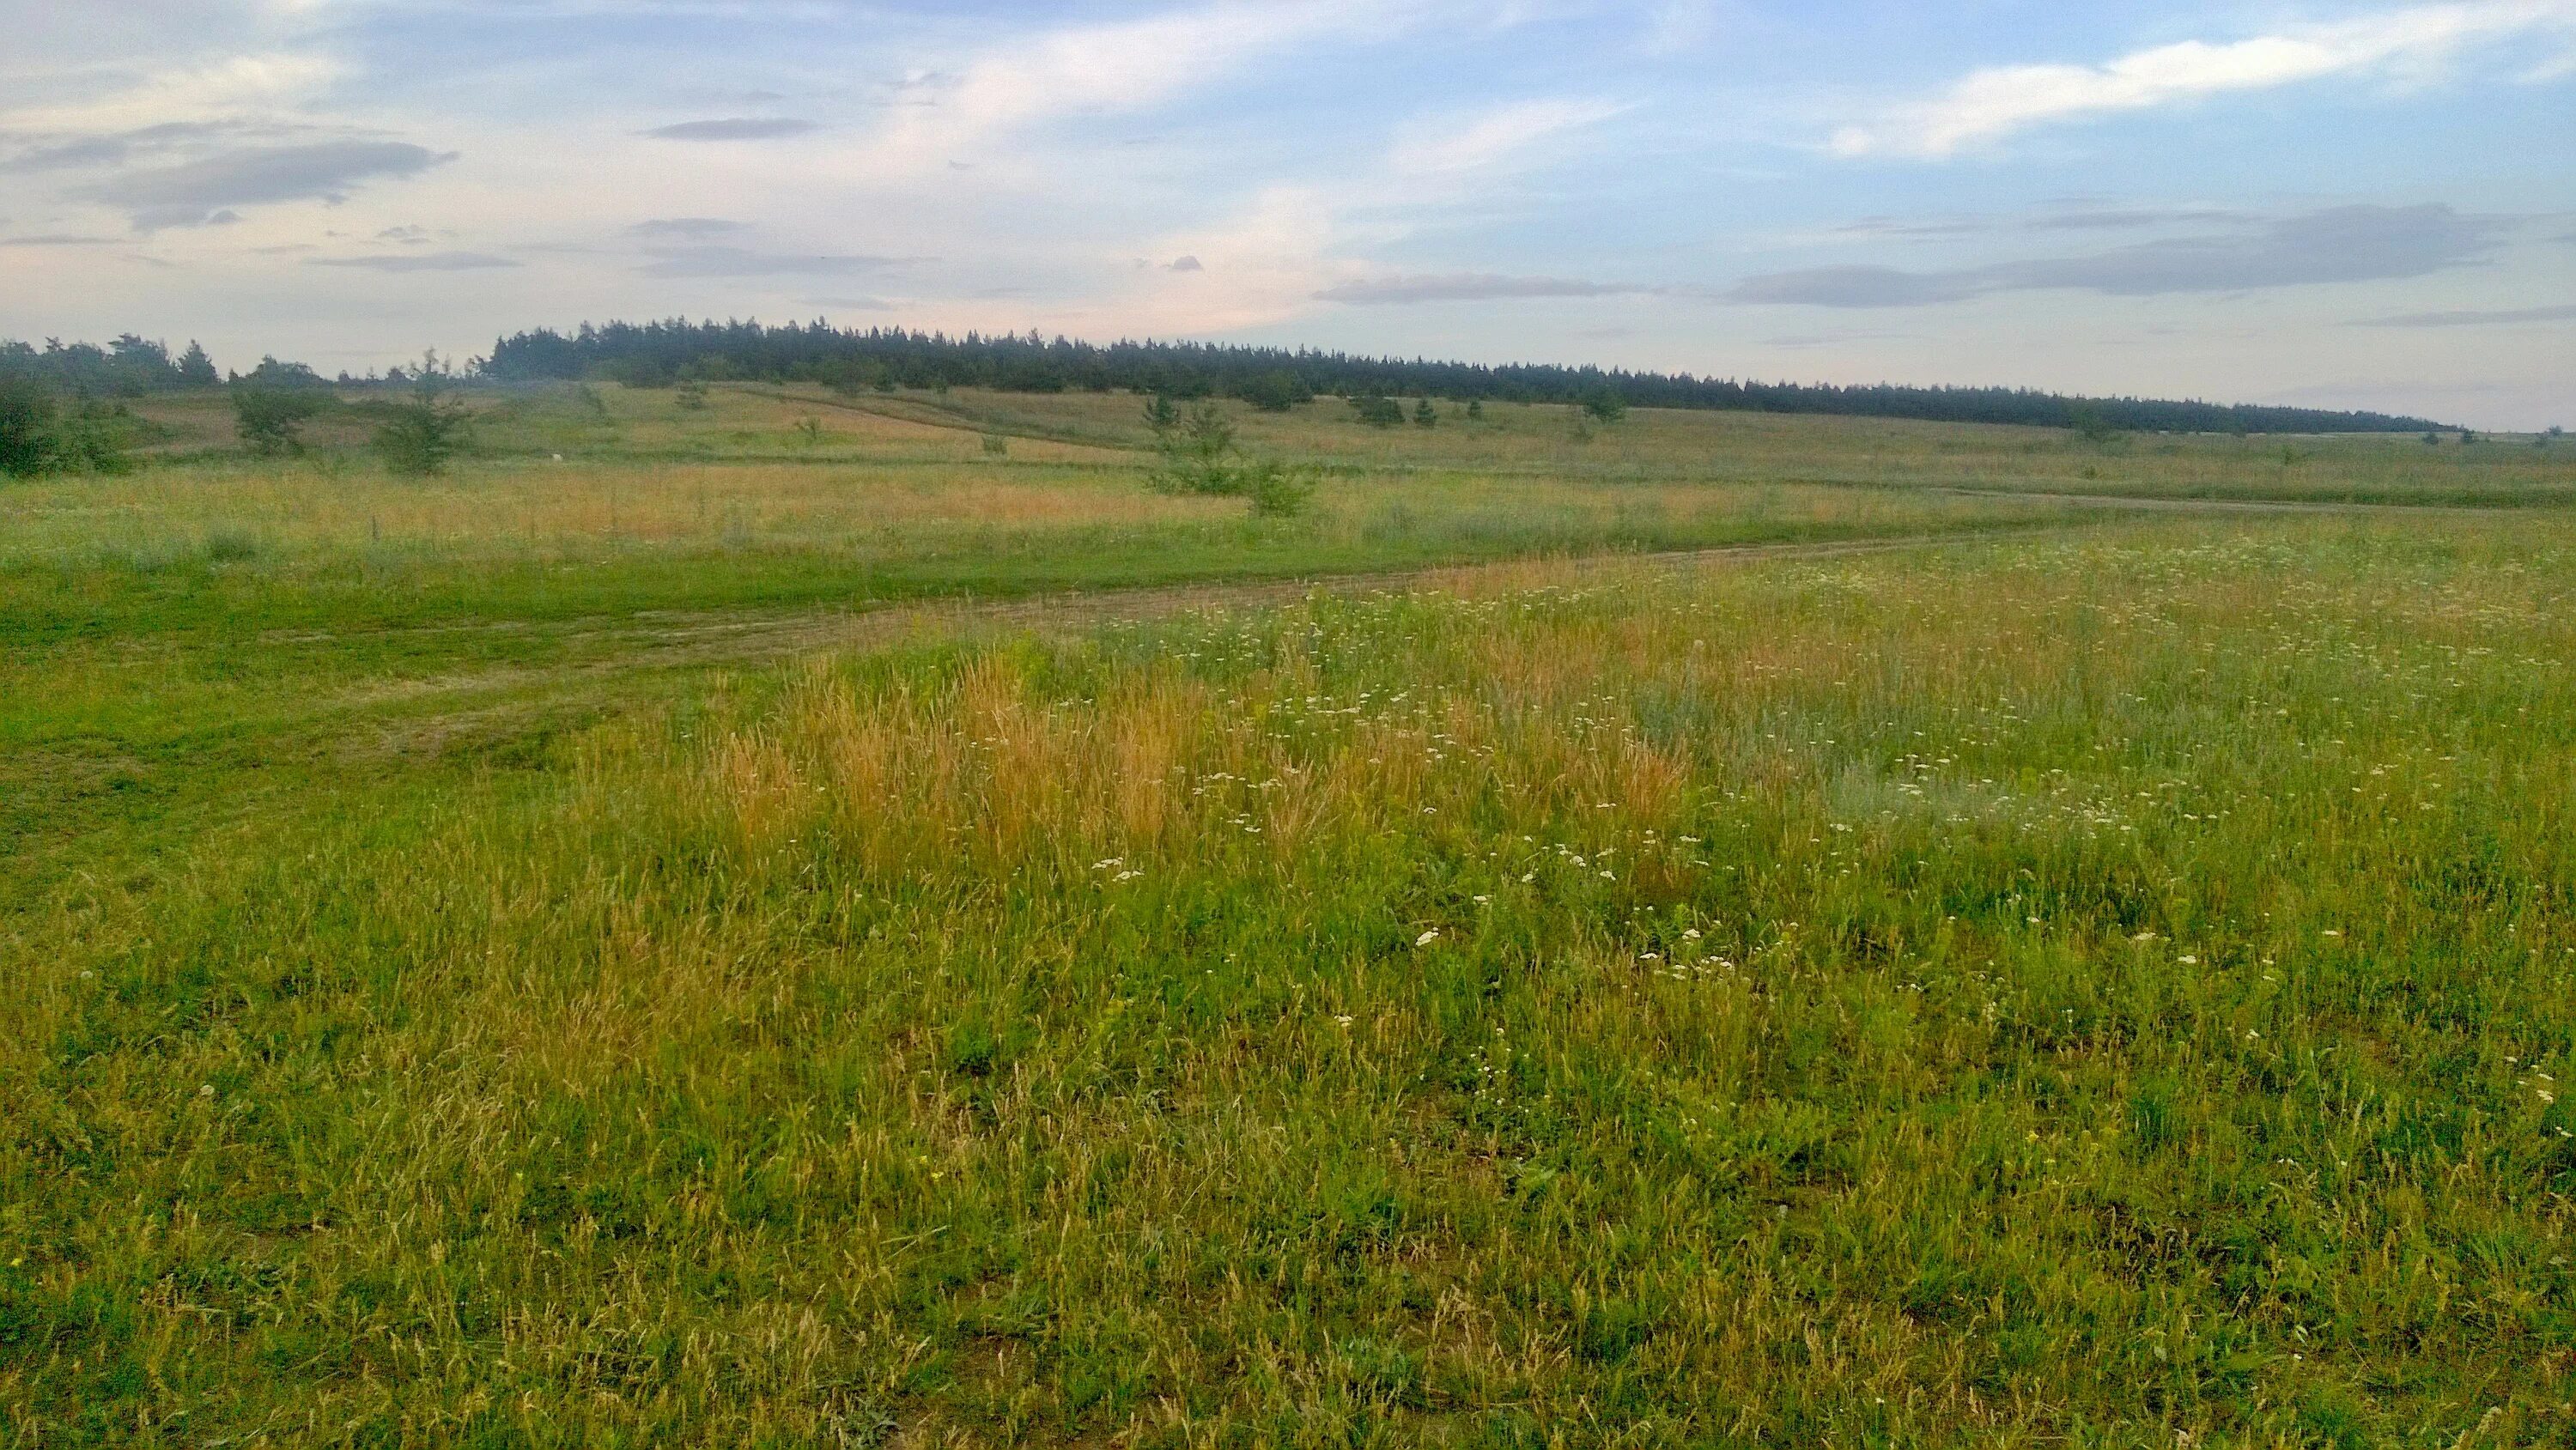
pixel 724 261
pixel 237 84
pixel 53 239
pixel 1184 264
pixel 852 304
pixel 686 226
pixel 1498 135
pixel 734 128
pixel 417 262
pixel 1853 287
pixel 1464 287
pixel 2342 244
pixel 1991 104
pixel 2133 219
pixel 70 155
pixel 1109 68
pixel 197 193
pixel 2561 313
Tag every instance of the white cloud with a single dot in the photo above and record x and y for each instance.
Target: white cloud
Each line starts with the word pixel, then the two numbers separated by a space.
pixel 1991 104
pixel 1498 136
pixel 1106 69
pixel 242 83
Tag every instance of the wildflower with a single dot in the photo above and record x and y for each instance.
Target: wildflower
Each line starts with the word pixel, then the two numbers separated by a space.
pixel 1345 1021
pixel 2188 961
pixel 1427 938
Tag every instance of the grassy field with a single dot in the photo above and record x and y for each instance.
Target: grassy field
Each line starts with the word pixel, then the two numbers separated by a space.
pixel 625 950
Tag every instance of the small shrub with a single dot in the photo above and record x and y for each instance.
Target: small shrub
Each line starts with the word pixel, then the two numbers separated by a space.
pixel 1378 412
pixel 1604 405
pixel 2092 425
pixel 1277 490
pixel 997 446
pixel 96 437
pixel 1424 415
pixel 419 437
pixel 271 420
pixel 27 416
pixel 691 394
pixel 1276 391
pixel 1199 457
pixel 230 547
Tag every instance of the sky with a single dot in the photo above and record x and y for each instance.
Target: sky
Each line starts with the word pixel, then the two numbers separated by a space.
pixel 2340 205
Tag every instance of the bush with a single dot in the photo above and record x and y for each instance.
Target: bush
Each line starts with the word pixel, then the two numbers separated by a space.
pixel 26 428
pixel 2092 425
pixel 1199 457
pixel 1196 449
pixel 1378 412
pixel 95 437
pixel 1277 491
pixel 1605 405
pixel 37 435
pixel 418 438
pixel 1275 392
pixel 269 419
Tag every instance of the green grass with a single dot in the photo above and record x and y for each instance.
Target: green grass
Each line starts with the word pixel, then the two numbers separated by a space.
pixel 2086 988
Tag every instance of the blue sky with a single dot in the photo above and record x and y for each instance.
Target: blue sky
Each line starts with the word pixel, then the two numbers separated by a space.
pixel 2368 205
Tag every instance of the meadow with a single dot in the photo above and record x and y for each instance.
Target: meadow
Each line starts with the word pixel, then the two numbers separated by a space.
pixel 1711 930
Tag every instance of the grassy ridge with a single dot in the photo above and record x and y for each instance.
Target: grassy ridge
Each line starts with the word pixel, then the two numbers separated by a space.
pixel 2033 993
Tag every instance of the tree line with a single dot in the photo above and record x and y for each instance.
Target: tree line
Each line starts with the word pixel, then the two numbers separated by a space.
pixel 653 354
pixel 129 367
pixel 63 409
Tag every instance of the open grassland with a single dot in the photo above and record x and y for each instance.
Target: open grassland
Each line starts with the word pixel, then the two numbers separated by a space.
pixel 2025 993
pixel 619 950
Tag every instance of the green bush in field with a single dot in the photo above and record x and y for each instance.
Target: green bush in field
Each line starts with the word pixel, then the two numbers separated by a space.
pixel 1377 411
pixel 270 420
pixel 1198 456
pixel 38 435
pixel 1276 392
pixel 28 415
pixel 1604 405
pixel 419 437
pixel 96 437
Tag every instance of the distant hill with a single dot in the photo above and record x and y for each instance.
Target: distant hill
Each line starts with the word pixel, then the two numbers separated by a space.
pixel 663 352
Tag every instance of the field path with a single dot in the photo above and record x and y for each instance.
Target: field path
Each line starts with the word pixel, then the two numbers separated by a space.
pixel 660 641
pixel 2147 504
